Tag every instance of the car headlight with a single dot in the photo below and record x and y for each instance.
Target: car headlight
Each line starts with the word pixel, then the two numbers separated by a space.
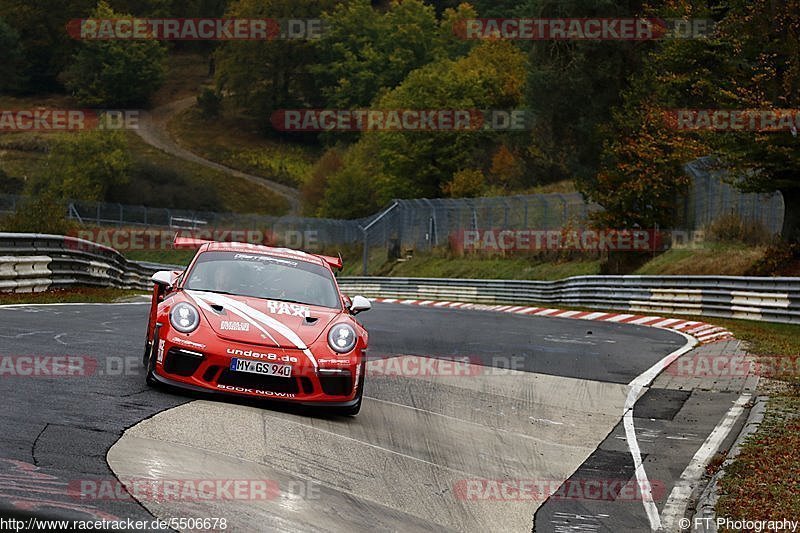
pixel 184 317
pixel 342 338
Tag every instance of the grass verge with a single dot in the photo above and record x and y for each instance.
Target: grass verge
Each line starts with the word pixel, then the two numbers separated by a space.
pixel 71 295
pixel 164 257
pixel 433 266
pixel 763 482
pixel 714 259
pixel 234 141
pixel 161 180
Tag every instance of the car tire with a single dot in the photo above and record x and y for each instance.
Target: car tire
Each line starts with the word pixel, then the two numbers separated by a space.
pixel 150 358
pixel 146 356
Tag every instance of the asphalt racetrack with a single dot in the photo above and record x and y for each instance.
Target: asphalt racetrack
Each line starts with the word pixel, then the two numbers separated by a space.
pixel 534 402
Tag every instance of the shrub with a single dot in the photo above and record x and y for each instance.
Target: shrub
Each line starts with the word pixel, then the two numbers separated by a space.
pixel 115 72
pixel 44 214
pixel 730 228
pixel 210 104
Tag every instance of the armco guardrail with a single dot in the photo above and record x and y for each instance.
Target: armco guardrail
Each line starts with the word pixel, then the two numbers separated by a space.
pixel 33 262
pixel 36 262
pixel 766 299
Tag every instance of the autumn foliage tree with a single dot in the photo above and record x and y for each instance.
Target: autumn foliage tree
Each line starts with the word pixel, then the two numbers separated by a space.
pixel 751 61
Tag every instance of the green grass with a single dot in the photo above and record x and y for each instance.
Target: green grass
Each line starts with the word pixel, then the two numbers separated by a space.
pixel 186 73
pixel 156 179
pixel 426 266
pixel 220 191
pixel 19 166
pixel 765 338
pixel 72 295
pixel 164 257
pixel 711 259
pixel 235 141
pixel 763 482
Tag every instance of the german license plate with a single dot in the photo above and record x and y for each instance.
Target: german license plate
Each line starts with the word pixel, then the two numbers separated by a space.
pixel 260 367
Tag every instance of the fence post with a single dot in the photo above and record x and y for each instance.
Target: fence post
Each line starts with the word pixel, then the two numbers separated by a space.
pixel 365 266
pixel 366 228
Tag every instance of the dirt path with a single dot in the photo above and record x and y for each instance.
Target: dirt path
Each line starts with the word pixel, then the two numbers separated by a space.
pixel 153 130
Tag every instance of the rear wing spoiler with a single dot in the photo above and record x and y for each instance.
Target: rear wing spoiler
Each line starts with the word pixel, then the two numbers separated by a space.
pixel 333 262
pixel 189 243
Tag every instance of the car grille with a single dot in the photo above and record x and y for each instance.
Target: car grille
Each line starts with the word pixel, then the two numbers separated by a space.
pixel 210 373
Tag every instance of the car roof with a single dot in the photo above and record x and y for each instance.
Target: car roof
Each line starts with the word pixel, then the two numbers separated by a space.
pixel 284 253
pixel 203 245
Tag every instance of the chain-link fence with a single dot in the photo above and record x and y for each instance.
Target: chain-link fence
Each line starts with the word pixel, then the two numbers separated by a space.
pixel 711 197
pixel 320 230
pixel 425 224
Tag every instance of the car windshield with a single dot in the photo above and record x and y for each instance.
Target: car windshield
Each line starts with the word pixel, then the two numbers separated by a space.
pixel 263 276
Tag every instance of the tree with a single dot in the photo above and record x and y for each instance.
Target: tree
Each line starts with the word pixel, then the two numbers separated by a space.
pixel 762 71
pixel 752 61
pixel 466 184
pixel 507 169
pixel 642 172
pixel 265 76
pixel 115 72
pixel 355 190
pixel 486 8
pixel 11 59
pixel 366 50
pixel 45 45
pixel 384 165
pixel 491 77
pixel 83 166
pixel 572 87
pixel 313 190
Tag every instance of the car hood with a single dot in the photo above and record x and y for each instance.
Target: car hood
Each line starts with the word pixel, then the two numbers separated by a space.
pixel 263 322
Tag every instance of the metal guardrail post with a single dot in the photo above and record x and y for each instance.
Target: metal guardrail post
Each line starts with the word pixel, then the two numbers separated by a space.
pixel 365 230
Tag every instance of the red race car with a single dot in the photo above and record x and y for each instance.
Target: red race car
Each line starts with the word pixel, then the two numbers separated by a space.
pixel 257 321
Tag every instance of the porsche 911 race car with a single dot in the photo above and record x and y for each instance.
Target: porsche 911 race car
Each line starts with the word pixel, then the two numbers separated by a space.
pixel 260 322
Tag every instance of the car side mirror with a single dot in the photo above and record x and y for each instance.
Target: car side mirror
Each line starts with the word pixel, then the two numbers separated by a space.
pixel 164 278
pixel 359 305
